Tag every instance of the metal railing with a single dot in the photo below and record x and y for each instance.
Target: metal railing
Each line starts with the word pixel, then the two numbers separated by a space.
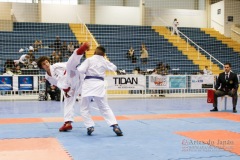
pixel 236 31
pixel 146 86
pixel 85 30
pixel 217 23
pixel 192 42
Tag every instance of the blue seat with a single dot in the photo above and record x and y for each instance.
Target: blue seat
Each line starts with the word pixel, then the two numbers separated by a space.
pixel 215 47
pixel 118 39
pixel 24 35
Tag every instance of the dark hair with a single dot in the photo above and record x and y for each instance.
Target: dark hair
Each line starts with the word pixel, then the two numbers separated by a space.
pixel 102 51
pixel 42 59
pixel 101 48
pixel 228 64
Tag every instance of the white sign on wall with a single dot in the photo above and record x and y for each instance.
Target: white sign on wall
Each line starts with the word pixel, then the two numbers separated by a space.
pixel 126 82
pixel 202 81
pixel 158 81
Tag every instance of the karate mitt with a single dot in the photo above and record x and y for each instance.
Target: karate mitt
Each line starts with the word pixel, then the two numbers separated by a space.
pixel 85 47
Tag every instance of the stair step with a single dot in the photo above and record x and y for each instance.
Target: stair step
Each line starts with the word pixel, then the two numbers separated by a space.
pixel 187 49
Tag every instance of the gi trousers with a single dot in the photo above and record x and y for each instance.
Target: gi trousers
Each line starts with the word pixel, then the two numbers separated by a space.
pixel 104 109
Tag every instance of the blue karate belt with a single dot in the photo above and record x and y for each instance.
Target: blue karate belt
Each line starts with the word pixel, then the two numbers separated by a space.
pixel 94 77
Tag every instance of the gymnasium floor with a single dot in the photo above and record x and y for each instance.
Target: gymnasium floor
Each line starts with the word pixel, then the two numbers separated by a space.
pixel 154 129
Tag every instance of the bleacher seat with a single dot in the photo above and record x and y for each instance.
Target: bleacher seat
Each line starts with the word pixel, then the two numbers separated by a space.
pixel 24 35
pixel 213 46
pixel 118 39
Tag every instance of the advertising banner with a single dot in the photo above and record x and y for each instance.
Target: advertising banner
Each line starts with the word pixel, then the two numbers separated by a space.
pixel 25 83
pixel 158 82
pixel 6 83
pixel 202 81
pixel 177 82
pixel 126 82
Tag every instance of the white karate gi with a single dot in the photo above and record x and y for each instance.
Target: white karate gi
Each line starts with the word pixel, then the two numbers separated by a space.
pixel 175 27
pixel 94 88
pixel 63 81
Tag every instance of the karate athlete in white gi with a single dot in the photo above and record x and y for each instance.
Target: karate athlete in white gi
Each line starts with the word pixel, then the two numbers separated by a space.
pixel 66 77
pixel 94 69
pixel 175 27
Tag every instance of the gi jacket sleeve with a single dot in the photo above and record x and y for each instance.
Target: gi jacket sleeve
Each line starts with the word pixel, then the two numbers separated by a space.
pixel 60 65
pixel 82 71
pixel 51 80
pixel 110 66
pixel 83 67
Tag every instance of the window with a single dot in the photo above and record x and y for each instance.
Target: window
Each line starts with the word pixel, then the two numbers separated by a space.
pixel 20 1
pixel 60 1
pixel 44 1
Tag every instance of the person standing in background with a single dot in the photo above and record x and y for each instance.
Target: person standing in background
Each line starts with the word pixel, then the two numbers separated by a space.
pixel 144 54
pixel 57 44
pixel 175 27
pixel 206 71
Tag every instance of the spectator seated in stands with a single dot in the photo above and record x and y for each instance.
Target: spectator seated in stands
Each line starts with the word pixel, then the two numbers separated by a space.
pixel 70 48
pixel 57 44
pixel 144 54
pixel 37 44
pixel 200 73
pixel 9 64
pixel 52 57
pixel 30 53
pixel 121 72
pixel 206 71
pixel 60 56
pixel 168 67
pixel 154 72
pixel 23 61
pixel 76 45
pixel 56 57
pixel 159 64
pixel 64 48
pixel 17 70
pixel 55 60
pixel 8 72
pixel 162 70
pixel 136 71
pixel 32 64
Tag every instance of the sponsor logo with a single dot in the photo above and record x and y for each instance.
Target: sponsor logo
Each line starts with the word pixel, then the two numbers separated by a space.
pixel 160 81
pixel 123 80
pixel 197 81
pixel 4 80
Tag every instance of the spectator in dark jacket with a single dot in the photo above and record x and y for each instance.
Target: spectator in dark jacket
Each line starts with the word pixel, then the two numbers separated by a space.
pixel 57 43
